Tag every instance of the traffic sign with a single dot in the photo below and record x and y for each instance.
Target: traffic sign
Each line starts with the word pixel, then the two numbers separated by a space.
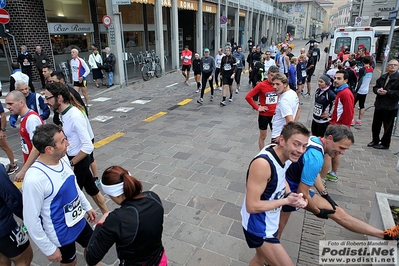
pixel 2 3
pixel 393 15
pixel 4 16
pixel 107 21
pixel 223 19
pixel 358 19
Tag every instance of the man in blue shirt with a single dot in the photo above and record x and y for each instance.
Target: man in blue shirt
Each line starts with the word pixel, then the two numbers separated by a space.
pixel 304 174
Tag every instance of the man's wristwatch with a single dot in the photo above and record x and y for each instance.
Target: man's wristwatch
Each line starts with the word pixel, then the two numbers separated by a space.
pixel 3 129
pixel 324 192
pixel 71 163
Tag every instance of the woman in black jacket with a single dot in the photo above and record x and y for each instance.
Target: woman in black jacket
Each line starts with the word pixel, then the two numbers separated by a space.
pixel 136 227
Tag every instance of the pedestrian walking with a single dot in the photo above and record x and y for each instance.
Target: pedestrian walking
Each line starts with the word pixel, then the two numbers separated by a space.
pixel 96 64
pixel 40 59
pixel 228 71
pixel 273 49
pixel 109 66
pixel 251 43
pixel 186 56
pixel 266 192
pixel 208 71
pixel 386 106
pixel 197 69
pixel 80 71
pixel 54 206
pixel 136 227
pixel 218 61
pixel 240 62
pixel 263 42
pixel 362 89
pixel 25 60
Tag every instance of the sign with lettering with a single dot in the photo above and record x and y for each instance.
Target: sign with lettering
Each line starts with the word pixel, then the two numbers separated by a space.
pixel 188 5
pixel 70 28
pixel 386 8
pixel 152 2
pixel 209 7
pixel 111 32
pixel 242 13
pixel 167 3
pixel 121 2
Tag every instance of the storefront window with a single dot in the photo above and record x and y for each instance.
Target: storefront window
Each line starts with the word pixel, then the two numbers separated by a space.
pixel 101 9
pixel 63 44
pixel 132 14
pixel 67 11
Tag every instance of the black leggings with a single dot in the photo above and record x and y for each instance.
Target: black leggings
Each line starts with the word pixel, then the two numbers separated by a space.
pixel 217 72
pixel 205 77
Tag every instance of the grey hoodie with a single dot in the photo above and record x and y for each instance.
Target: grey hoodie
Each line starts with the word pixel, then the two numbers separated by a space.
pixel 240 59
pixel 208 65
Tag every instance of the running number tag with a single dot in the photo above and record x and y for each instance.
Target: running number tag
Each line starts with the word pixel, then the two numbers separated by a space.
pixel 43 61
pixel 19 235
pixel 238 62
pixel 317 110
pixel 304 73
pixel 227 67
pixel 24 146
pixel 26 64
pixel 271 98
pixel 73 212
pixel 279 195
pixel 206 66
pixel 314 53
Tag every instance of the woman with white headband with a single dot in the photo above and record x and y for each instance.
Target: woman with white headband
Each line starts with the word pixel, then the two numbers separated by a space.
pixel 136 227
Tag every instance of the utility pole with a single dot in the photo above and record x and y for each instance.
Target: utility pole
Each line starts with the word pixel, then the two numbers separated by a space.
pixel 393 22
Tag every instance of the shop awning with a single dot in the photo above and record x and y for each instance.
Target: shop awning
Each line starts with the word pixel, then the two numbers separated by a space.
pixel 383 29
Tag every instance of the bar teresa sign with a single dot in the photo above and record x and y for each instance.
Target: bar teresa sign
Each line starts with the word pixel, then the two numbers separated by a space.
pixel 68 28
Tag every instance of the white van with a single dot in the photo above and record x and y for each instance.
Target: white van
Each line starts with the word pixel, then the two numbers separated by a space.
pixel 350 37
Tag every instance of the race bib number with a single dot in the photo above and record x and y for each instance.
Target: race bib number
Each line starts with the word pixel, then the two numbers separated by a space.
pixel 185 60
pixel 227 67
pixel 26 63
pixel 317 109
pixel 238 62
pixel 314 53
pixel 19 235
pixel 271 98
pixel 206 66
pixel 304 73
pixel 43 61
pixel 279 195
pixel 24 146
pixel 73 212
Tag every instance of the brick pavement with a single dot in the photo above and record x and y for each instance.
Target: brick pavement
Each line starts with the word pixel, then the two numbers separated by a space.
pixel 195 158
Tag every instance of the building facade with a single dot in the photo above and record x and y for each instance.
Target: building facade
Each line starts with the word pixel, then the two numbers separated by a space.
pixel 305 17
pixel 164 26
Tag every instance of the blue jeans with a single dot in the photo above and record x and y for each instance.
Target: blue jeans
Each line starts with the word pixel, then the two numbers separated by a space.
pixel 110 78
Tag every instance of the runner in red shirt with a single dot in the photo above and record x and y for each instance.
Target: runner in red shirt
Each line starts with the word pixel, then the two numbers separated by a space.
pixel 268 103
pixel 186 55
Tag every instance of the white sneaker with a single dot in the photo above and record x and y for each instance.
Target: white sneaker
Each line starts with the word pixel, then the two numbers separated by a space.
pixel 237 90
pixel 200 101
pixel 197 91
pixel 230 99
pixel 220 88
pixel 211 98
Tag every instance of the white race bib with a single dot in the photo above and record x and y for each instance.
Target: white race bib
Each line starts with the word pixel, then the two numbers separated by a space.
pixel 26 63
pixel 238 61
pixel 227 67
pixel 73 212
pixel 314 53
pixel 206 67
pixel 19 235
pixel 24 147
pixel 304 73
pixel 43 61
pixel 271 98
pixel 317 109
pixel 185 60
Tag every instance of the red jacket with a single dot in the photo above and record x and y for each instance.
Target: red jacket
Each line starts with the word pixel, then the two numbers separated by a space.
pixel 343 108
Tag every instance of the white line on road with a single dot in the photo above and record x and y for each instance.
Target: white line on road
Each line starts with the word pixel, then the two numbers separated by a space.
pixel 171 85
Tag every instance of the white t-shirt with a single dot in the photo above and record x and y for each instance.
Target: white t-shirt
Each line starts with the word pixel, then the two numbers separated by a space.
pixel 287 104
pixel 76 130
pixel 268 64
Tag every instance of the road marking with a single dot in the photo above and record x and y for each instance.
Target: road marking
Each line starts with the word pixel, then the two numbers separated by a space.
pixel 184 102
pixel 107 140
pixel 171 85
pixel 153 117
pixel 141 101
pixel 123 109
pixel 101 118
pixel 101 99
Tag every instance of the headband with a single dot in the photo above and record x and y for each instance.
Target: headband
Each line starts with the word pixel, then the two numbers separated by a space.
pixel 113 190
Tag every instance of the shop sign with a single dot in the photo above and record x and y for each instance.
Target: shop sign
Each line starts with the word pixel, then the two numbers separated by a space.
pixel 68 28
pixel 112 34
pixel 208 8
pixel 386 8
pixel 189 5
pixel 242 13
pixel 152 2
pixel 167 3
pixel 121 2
